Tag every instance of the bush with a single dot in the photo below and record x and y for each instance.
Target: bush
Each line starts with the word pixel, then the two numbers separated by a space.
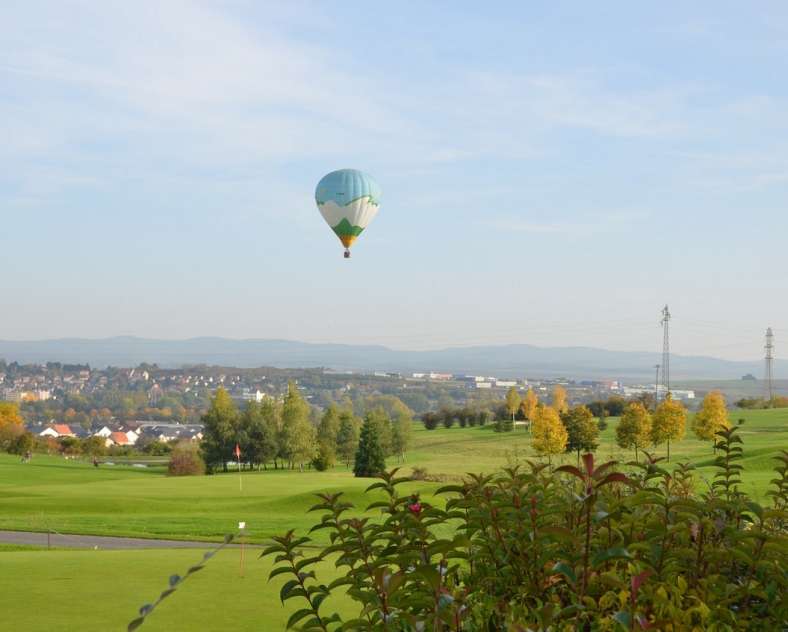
pixel 23 444
pixel 576 548
pixel 185 460
pixel 9 435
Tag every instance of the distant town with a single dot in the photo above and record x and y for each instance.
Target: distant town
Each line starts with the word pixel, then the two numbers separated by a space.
pixel 125 405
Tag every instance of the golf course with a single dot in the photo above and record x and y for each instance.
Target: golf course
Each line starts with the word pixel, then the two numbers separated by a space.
pixel 95 589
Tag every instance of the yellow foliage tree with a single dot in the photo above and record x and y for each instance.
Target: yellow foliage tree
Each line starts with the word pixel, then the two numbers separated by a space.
pixel 634 429
pixel 711 418
pixel 549 434
pixel 528 405
pixel 669 422
pixel 559 399
pixel 11 424
pixel 9 415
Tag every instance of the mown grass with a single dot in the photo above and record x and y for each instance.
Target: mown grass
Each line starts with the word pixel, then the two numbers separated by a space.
pixel 101 591
pixel 75 497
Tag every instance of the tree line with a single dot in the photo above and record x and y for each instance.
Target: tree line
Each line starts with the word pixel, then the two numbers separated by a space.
pixel 289 434
pixel 558 428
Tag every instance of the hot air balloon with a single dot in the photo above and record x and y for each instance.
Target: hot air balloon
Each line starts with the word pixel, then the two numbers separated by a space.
pixel 347 199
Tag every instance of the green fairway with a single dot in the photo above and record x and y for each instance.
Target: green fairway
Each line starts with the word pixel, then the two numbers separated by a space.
pixel 101 591
pixel 74 497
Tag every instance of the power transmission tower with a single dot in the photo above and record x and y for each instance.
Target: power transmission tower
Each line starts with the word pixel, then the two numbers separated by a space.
pixel 656 386
pixel 666 349
pixel 769 363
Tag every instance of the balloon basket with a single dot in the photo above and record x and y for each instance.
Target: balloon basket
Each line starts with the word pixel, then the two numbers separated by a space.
pixel 347 254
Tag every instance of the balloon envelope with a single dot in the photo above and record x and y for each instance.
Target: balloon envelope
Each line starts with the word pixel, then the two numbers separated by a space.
pixel 348 200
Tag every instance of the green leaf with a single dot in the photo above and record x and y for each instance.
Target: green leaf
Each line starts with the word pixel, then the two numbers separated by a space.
pixel 562 568
pixel 613 553
pixel 194 569
pixel 297 616
pixel 623 618
pixel 135 624
pixel 279 571
pixel 287 588
pixel 166 593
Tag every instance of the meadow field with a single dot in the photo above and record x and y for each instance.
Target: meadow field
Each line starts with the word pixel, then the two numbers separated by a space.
pixel 101 590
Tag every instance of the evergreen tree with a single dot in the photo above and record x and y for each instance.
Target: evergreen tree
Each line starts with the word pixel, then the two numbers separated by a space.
pixel 347 437
pixel 370 459
pixel 220 430
pixel 582 430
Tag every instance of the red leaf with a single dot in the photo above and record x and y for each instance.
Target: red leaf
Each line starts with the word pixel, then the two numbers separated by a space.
pixel 571 469
pixel 588 461
pixel 615 477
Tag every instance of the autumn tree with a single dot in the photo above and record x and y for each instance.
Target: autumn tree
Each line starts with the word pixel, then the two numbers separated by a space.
pixel 559 399
pixel 9 415
pixel 711 418
pixel 669 422
pixel 220 430
pixel 549 434
pixel 582 430
pixel 512 402
pixel 528 405
pixel 634 428
pixel 11 425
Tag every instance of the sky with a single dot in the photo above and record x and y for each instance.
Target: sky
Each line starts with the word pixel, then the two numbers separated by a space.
pixel 552 173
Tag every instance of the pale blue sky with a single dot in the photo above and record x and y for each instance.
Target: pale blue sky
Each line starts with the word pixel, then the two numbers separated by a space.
pixel 551 174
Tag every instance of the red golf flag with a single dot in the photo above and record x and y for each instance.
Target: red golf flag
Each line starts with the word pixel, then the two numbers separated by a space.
pixel 237 451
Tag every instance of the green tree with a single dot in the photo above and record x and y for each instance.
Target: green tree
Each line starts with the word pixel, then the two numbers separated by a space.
pixel 711 418
pixel 93 446
pixel 370 459
pixel 669 422
pixel 258 433
pixel 549 434
pixel 327 431
pixel 220 430
pixel 401 427
pixel 297 441
pixel 582 430
pixel 347 437
pixel 512 403
pixel 634 428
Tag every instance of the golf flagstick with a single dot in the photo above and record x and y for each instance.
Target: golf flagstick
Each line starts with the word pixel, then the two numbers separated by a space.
pixel 238 456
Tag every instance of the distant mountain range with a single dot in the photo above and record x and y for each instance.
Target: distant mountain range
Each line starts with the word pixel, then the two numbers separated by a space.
pixel 500 360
